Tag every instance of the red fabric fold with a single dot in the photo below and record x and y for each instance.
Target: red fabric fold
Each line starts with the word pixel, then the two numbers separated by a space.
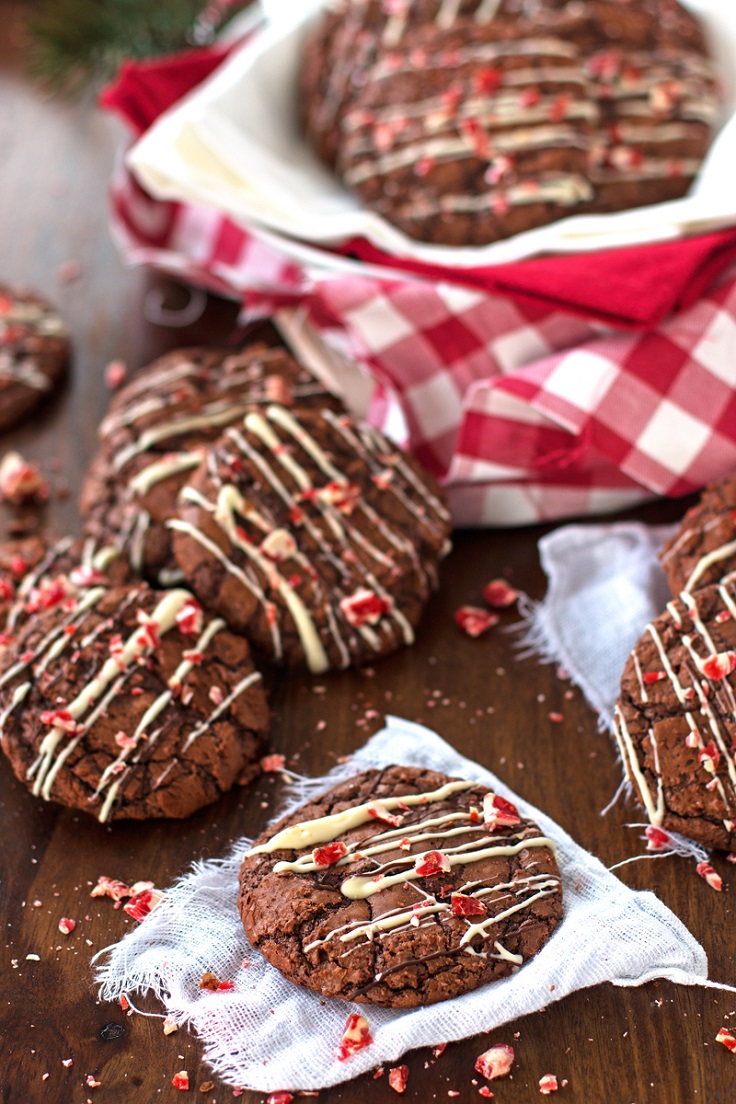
pixel 634 287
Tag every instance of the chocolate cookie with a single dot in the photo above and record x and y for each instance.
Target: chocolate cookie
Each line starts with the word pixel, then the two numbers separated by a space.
pixel 675 721
pixel 400 887
pixel 703 549
pixel 156 429
pixel 129 703
pixel 313 535
pixel 34 353
pixel 461 124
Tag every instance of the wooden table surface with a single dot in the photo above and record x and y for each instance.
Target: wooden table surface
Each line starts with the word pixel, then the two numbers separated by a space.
pixel 649 1045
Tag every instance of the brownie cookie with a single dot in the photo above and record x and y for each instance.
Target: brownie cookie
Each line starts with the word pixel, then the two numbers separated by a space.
pixel 703 549
pixel 34 353
pixel 462 125
pixel 472 134
pixel 156 429
pixel 400 887
pixel 675 721
pixel 129 703
pixel 313 535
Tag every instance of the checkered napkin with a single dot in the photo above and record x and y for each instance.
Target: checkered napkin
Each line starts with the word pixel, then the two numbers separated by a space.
pixel 269 1034
pixel 527 407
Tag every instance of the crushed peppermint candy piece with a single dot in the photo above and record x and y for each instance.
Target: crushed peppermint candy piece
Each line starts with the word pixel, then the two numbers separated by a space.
pixel 657 838
pixel 717 666
pixel 365 607
pixel 495 1062
pixel 329 854
pixel 355 1037
pixel 67 926
pixel 710 757
pixel 190 618
pixel 500 594
pixel 67 1062
pixel 379 811
pixel 398 1077
pixel 548 1084
pixel 279 1097
pixel 708 874
pixel 727 1038
pixel 61 718
pixel 115 374
pixel 475 621
pixel 149 629
pixel 431 862
pixel 462 904
pixel 498 812
pixel 144 897
pixel 650 677
pixel 278 545
pixel 49 593
pixel 21 483
pixel 180 1080
pixel 123 740
pixel 110 887
pixel 274 762
pixel 91 1083
pixel 82 576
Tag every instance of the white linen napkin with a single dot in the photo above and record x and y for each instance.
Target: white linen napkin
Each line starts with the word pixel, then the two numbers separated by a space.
pixel 268 1034
pixel 605 585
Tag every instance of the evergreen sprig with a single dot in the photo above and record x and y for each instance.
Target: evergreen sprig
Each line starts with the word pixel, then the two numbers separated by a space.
pixel 72 43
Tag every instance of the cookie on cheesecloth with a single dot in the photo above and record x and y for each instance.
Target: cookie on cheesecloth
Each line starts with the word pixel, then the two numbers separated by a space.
pixel 129 702
pixel 400 887
pixel 34 353
pixel 157 429
pixel 703 549
pixel 313 535
pixel 675 721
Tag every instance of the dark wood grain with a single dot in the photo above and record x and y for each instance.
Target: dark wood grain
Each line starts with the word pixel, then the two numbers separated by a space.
pixel 649 1045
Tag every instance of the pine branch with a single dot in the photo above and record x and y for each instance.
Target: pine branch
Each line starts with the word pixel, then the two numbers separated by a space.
pixel 75 42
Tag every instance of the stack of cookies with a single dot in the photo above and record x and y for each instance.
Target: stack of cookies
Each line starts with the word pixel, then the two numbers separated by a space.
pixel 465 122
pixel 232 504
pixel 675 721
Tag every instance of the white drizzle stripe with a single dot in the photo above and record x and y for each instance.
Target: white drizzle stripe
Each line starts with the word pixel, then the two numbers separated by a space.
pixel 310 833
pixel 239 689
pixel 480 928
pixel 707 561
pixel 213 415
pixel 148 477
pixel 89 600
pixel 655 812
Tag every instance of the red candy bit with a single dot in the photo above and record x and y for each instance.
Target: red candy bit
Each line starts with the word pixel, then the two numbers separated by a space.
pixel 61 718
pixel 21 482
pixel 49 593
pixel 530 97
pixel 144 897
pixel 500 594
pixel 724 1036
pixel 18 565
pixel 556 718
pixel 87 576
pixel 123 740
pixel 279 1097
pixel 344 496
pixel 355 1037
pixel 464 905
pixel 91 1082
pixel 496 1062
pixel 329 854
pixel 180 1080
pixel 190 617
pixel 475 621
pixel 710 757
pixel 225 986
pixel 115 374
pixel 548 1084
pixel 379 812
pixel 657 838
pixel 650 677
pixel 148 632
pixel 498 812
pixel 488 80
pixel 724 615
pixel 708 874
pixel 559 107
pixel 7 590
pixel 717 666
pixel 430 863
pixel 274 762
pixel 731 857
pixel 485 1091
pixel 110 887
pixel 67 926
pixel 397 1078
pixel 365 607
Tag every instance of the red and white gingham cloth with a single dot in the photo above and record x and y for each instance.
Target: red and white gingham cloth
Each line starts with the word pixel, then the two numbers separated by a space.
pixel 525 410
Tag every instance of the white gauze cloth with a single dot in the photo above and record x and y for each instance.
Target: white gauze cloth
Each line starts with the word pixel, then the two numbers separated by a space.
pixel 605 586
pixel 269 1034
